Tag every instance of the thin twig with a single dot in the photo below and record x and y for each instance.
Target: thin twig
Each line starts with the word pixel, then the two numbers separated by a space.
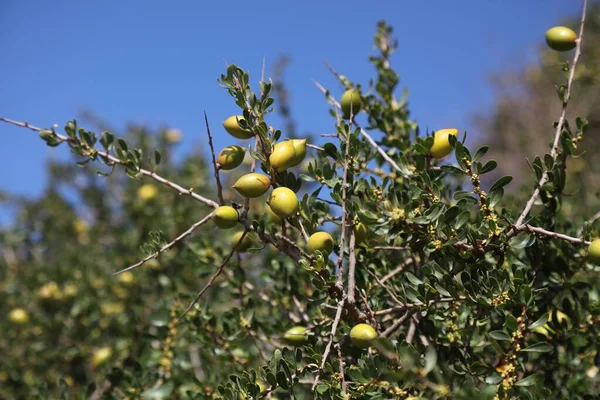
pixel 313 146
pixel 396 271
pixel 544 232
pixel 215 165
pixel 304 234
pixel 561 122
pixel 212 278
pixel 342 365
pixel 153 175
pixel 336 321
pixel 396 324
pixel 351 269
pixel 387 289
pixel 168 245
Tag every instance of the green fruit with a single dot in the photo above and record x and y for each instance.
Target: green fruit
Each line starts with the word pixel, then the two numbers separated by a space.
pixel 351 102
pixel 231 157
pixel 300 146
pixel 283 202
pixel 594 252
pixel 362 335
pixel 321 241
pixel 296 336
pixel 252 185
pixel 233 128
pixel 283 155
pixel 18 316
pixel 244 245
pixel 441 145
pixel 225 217
pixel 360 233
pixel 273 216
pixel 561 38
pixel 101 356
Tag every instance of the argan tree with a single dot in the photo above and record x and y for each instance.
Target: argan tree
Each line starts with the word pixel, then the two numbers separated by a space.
pixel 367 266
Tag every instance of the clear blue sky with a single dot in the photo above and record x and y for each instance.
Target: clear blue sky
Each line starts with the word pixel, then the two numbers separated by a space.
pixel 157 62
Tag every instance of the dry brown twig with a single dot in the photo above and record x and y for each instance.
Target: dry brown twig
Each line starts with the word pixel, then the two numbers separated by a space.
pixel 215 164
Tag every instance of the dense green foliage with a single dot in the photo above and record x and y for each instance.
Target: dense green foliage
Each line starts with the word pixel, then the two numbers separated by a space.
pixel 468 300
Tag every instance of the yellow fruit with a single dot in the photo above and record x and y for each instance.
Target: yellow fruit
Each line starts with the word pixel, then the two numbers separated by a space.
pixel 441 145
pixel 49 291
pixel 112 308
pixel 321 241
pixel 226 217
pixel 351 102
pixel 561 38
pixel 283 155
pixel 80 226
pixel 231 157
pixel 147 192
pixel 173 135
pixel 252 185
pixel 273 216
pixel 300 146
pixel 233 128
pixel 360 233
pixel 244 245
pixel 362 335
pixel 101 356
pixel 296 336
pixel 594 252
pixel 283 202
pixel 19 316
pixel 126 277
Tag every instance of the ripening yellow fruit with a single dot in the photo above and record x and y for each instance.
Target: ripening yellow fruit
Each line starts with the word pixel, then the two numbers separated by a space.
pixel 283 202
pixel 594 252
pixel 233 128
pixel 147 192
pixel 296 336
pixel 231 157
pixel 244 245
pixel 561 38
pixel 252 185
pixel 283 155
pixel 126 277
pixel 362 335
pixel 273 216
pixel 441 144
pixel 101 356
pixel 351 102
pixel 321 241
pixel 360 233
pixel 173 135
pixel 18 316
pixel 300 147
pixel 226 217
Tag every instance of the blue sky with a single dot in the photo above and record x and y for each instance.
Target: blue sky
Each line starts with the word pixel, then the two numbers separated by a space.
pixel 157 62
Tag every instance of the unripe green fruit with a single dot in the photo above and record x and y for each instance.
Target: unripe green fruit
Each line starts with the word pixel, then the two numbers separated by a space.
pixel 225 217
pixel 296 336
pixel 252 185
pixel 561 38
pixel 351 102
pixel 594 252
pixel 321 241
pixel 233 128
pixel 244 245
pixel 441 144
pixel 283 155
pixel 101 356
pixel 362 335
pixel 273 216
pixel 360 233
pixel 231 157
pixel 18 316
pixel 283 202
pixel 300 146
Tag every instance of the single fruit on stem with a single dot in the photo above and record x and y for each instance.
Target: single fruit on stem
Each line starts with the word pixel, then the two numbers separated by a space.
pixel 283 155
pixel 101 356
pixel 147 192
pixel 252 185
pixel 441 144
pixel 351 102
pixel 360 233
pixel 296 336
pixel 231 157
pixel 18 316
pixel 321 241
pixel 226 217
pixel 594 252
pixel 234 129
pixel 300 146
pixel 273 216
pixel 283 202
pixel 561 38
pixel 244 245
pixel 362 335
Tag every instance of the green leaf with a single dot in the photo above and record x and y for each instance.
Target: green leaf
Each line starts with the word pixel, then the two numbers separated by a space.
pixel 430 360
pixel 489 166
pixel 480 153
pixel 500 335
pixel 541 347
pixel 530 380
pixel 505 180
pixel 161 392
pixel 540 322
